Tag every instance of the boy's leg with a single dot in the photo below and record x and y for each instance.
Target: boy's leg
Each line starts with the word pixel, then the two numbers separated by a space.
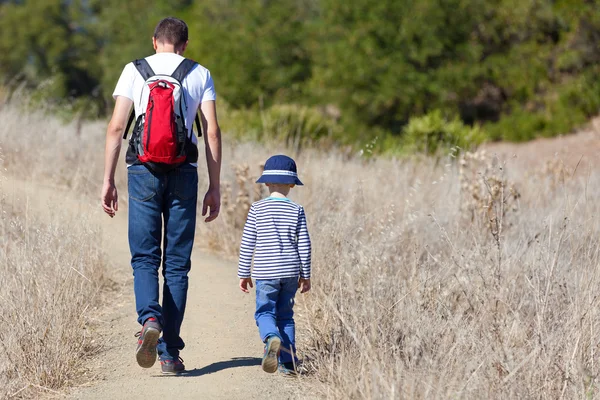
pixel 180 224
pixel 145 232
pixel 285 320
pixel 267 293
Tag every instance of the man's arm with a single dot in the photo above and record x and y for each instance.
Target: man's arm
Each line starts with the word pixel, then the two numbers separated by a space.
pixel 212 141
pixel 114 134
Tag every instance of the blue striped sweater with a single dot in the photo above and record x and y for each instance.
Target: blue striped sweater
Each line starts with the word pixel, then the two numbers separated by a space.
pixel 275 234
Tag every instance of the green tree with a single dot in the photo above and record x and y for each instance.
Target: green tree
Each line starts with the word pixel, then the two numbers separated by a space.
pixel 487 61
pixel 520 68
pixel 126 29
pixel 255 48
pixel 385 60
pixel 50 41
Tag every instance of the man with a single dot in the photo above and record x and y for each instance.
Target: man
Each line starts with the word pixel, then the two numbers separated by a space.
pixel 169 198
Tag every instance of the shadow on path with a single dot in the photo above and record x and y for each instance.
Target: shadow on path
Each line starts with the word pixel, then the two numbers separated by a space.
pixel 219 366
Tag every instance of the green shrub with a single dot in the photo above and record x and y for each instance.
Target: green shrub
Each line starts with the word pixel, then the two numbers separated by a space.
pixel 434 132
pixel 559 112
pixel 518 126
pixel 291 124
pixel 296 124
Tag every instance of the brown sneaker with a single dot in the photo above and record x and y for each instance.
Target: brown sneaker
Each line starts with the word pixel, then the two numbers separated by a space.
pixel 172 367
pixel 145 354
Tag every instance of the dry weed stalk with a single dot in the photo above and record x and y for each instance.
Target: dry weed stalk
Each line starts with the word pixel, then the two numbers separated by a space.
pixel 486 191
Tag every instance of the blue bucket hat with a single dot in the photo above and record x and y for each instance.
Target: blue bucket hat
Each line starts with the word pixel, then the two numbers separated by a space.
pixel 280 169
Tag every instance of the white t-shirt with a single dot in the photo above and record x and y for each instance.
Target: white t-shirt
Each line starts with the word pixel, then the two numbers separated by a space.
pixel 198 85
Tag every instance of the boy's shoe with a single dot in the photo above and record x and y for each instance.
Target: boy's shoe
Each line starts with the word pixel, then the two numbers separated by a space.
pixel 271 356
pixel 145 354
pixel 288 368
pixel 172 367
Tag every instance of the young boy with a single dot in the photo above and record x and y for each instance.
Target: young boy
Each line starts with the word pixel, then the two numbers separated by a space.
pixel 276 235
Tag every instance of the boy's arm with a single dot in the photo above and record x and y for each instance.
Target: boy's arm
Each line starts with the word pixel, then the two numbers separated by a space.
pixel 247 245
pixel 304 246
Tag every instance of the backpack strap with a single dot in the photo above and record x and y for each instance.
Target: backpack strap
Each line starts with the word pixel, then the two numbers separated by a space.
pixel 146 71
pixel 144 68
pixel 198 126
pixel 131 118
pixel 183 69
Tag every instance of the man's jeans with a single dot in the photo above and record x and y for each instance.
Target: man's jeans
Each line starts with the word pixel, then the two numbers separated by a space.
pixel 275 314
pixel 155 198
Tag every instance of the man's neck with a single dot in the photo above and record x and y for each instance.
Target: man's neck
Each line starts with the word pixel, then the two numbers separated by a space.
pixel 168 48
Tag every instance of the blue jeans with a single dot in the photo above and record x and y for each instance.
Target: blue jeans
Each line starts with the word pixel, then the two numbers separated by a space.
pixel 275 313
pixel 156 199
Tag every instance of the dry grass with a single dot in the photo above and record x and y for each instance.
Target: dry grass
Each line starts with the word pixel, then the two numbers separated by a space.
pixel 459 279
pixel 462 278
pixel 50 277
pixel 41 148
pixel 51 266
pixel 419 300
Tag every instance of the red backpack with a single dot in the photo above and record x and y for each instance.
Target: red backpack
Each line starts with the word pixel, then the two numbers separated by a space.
pixel 160 138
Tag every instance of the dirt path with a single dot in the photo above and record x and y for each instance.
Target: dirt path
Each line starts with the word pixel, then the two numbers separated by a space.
pixel 222 351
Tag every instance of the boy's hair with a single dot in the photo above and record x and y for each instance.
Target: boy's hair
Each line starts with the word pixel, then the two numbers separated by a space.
pixel 171 30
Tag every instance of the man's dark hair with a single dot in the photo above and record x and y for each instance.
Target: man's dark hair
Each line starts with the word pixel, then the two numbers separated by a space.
pixel 171 30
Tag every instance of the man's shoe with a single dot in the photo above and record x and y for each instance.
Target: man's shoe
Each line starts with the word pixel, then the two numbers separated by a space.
pixel 145 354
pixel 271 356
pixel 172 367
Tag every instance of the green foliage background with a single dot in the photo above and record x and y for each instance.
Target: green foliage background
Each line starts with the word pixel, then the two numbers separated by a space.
pixel 506 69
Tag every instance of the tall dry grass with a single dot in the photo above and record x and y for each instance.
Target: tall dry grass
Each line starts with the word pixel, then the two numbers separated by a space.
pixel 465 277
pixel 51 273
pixel 51 264
pixel 42 148
pixel 434 290
pixel 461 277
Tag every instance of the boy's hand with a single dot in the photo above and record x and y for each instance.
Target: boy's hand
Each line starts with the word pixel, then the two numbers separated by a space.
pixel 244 282
pixel 304 285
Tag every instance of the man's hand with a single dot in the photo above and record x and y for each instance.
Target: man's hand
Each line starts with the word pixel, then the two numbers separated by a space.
pixel 212 147
pixel 212 200
pixel 114 132
pixel 244 282
pixel 304 285
pixel 110 199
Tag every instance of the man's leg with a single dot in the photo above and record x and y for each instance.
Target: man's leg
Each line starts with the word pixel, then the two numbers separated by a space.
pixel 180 224
pixel 145 206
pixel 145 225
pixel 285 320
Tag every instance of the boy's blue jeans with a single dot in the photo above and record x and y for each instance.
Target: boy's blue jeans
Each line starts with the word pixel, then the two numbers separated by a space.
pixel 275 314
pixel 156 199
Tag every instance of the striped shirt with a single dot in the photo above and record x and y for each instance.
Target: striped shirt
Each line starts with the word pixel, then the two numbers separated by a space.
pixel 275 234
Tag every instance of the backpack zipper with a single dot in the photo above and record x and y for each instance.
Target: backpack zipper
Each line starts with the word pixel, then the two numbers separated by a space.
pixel 149 123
